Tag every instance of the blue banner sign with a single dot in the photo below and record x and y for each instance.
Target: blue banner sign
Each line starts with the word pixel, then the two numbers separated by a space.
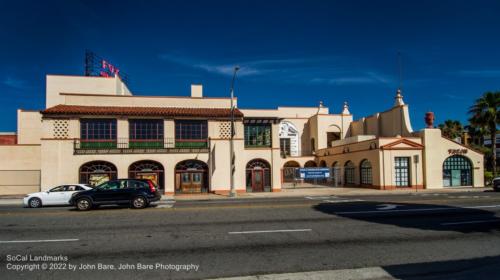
pixel 314 173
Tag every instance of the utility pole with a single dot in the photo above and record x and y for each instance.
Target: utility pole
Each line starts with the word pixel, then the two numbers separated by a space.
pixel 232 192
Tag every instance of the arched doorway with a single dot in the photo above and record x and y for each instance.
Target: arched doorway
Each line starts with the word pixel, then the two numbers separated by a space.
pixel 457 171
pixel 322 163
pixel 349 169
pixel 191 176
pixel 148 169
pixel 310 163
pixel 258 176
pixel 290 169
pixel 365 172
pixel 97 172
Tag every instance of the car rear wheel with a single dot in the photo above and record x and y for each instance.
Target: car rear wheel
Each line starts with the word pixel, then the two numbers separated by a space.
pixel 83 204
pixel 35 202
pixel 139 202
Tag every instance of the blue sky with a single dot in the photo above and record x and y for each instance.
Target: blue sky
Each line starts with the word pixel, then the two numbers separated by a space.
pixel 292 53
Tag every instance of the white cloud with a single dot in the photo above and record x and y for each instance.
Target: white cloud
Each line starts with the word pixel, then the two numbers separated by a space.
pixel 15 83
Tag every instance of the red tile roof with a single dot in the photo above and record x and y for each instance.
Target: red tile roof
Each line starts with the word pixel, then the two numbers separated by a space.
pixel 8 139
pixel 141 111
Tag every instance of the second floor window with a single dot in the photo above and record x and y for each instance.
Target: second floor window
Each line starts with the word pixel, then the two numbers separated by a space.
pixel 98 129
pixel 146 129
pixel 257 135
pixel 191 130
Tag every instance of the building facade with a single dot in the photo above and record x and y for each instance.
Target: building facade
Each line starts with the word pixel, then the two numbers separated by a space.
pixel 94 129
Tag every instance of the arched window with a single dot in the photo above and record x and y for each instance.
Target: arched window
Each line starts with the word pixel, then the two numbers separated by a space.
pixel 310 164
pixel 289 171
pixel 313 145
pixel 365 170
pixel 322 163
pixel 291 163
pixel 148 169
pixel 97 172
pixel 457 171
pixel 349 170
pixel 191 176
pixel 258 176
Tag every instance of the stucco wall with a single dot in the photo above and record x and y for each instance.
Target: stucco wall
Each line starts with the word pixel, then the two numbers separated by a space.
pixel 56 84
pixel 437 151
pixel 19 169
pixel 29 127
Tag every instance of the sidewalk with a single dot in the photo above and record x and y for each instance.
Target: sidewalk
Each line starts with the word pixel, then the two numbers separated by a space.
pixel 320 191
pixel 299 192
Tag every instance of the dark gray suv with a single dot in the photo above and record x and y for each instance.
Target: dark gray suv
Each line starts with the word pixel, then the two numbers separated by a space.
pixel 138 193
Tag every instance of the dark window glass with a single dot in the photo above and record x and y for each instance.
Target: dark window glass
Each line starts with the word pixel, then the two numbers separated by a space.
pixel 402 166
pixel 285 146
pixel 98 129
pixel 191 130
pixel 349 170
pixel 258 135
pixel 366 172
pixel 146 129
pixel 457 171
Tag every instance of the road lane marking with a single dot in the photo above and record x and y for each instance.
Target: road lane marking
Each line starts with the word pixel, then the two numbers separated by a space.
pixel 320 197
pixel 419 210
pixel 38 241
pixel 387 206
pixel 270 231
pixel 470 222
pixel 343 200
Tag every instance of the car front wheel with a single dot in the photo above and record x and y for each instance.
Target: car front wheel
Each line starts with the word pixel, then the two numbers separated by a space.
pixel 35 202
pixel 83 204
pixel 139 202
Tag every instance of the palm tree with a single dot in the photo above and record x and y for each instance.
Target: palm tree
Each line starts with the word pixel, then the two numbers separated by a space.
pixel 484 113
pixel 476 134
pixel 451 129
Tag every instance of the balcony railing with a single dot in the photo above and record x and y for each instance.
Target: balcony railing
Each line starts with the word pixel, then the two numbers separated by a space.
pixel 126 145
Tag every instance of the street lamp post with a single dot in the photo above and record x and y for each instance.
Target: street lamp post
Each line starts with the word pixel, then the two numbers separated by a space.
pixel 232 192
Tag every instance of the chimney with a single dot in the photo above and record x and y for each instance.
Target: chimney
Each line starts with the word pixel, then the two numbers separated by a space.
pixel 196 91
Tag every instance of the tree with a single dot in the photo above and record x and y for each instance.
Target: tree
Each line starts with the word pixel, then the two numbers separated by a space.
pixel 485 114
pixel 451 129
pixel 476 134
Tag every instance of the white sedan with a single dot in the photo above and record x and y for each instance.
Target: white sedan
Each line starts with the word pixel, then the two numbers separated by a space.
pixel 57 196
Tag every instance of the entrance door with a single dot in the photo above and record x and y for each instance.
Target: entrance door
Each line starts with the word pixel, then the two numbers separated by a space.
pixel 456 177
pixel 258 181
pixel 192 182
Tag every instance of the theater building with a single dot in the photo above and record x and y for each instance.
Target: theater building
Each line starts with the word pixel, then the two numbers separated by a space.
pixel 94 129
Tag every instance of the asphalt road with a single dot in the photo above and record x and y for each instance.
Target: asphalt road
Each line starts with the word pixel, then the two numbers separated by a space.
pixel 411 236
